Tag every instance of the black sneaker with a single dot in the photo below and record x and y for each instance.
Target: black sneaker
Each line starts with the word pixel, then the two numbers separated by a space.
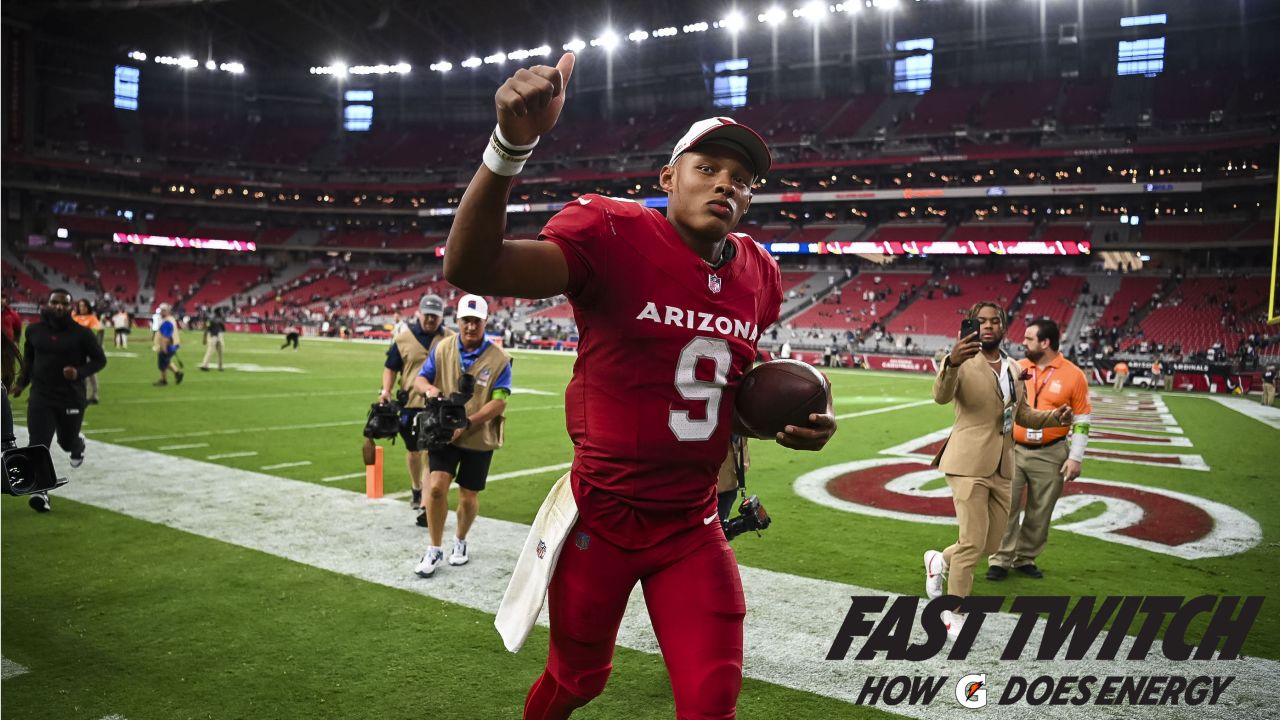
pixel 204 369
pixel 160 383
pixel 422 518
pixel 77 457
pixel 1030 571
pixel 177 377
pixel 997 573
pixel 39 502
pixel 416 501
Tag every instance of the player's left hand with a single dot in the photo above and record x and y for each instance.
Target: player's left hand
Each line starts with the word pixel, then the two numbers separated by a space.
pixel 1070 470
pixel 69 373
pixel 813 437
pixel 1062 415
pixel 457 434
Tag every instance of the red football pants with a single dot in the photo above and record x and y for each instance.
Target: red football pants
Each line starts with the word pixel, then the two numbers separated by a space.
pixel 694 595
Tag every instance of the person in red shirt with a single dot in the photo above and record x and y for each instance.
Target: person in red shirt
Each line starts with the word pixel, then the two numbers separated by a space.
pixel 11 322
pixel 670 309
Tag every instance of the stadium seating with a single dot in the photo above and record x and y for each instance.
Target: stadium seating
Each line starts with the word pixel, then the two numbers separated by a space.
pixel 21 287
pixel 1057 301
pixel 118 275
pixel 941 111
pixel 848 311
pixel 1018 106
pixel 1188 233
pixel 1194 317
pixel 1135 292
pixel 1084 102
pixel 941 315
pixel 68 266
pixel 220 286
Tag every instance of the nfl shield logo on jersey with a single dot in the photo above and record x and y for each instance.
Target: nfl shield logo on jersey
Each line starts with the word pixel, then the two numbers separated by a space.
pixel 542 549
pixel 713 282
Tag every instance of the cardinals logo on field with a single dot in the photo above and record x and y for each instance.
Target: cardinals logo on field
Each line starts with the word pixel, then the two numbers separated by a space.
pixel 971 691
pixel 713 282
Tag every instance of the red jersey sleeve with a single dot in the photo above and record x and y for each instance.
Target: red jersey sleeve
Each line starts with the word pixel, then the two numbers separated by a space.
pixel 576 231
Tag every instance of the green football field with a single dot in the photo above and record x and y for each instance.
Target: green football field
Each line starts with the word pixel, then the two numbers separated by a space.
pixel 108 611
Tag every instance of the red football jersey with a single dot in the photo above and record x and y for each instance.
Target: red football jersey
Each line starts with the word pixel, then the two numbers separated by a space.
pixel 664 341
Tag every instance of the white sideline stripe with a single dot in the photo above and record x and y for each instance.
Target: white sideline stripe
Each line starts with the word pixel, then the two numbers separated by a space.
pixel 11 669
pixel 1268 416
pixel 791 622
pixel 278 466
pixel 371 392
pixel 891 408
pixel 113 716
pixel 185 446
pixel 221 456
pixel 102 431
pixel 237 431
pixel 530 471
pixel 348 476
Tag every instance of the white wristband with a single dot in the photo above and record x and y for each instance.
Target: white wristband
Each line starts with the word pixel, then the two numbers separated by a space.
pixel 506 158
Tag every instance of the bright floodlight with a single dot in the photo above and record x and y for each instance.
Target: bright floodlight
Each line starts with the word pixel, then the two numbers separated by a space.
pixel 638 35
pixel 885 4
pixel 495 58
pixel 772 15
pixel 234 68
pixel 339 69
pixel 472 62
pixel 443 66
pixel 733 23
pixel 541 51
pixel 814 11
pixel 210 65
pixel 401 68
pixel 186 63
pixel 608 40
pixel 138 55
pixel 575 45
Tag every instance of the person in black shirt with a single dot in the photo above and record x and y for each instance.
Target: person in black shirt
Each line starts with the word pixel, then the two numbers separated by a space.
pixel 57 356
pixel 213 331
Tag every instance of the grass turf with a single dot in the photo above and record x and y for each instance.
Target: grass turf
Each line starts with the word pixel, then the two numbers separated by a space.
pixel 114 615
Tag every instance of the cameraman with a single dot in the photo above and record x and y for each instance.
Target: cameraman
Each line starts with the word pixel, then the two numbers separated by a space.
pixel 408 352
pixel 470 450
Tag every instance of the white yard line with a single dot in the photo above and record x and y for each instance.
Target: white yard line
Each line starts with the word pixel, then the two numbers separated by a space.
pixel 184 446
pixel 279 466
pixel 237 431
pixel 530 471
pixel 891 408
pixel 791 622
pixel 103 431
pixel 223 456
pixel 348 476
pixel 11 669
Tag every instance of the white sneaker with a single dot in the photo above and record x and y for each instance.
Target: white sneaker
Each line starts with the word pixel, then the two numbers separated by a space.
pixel 433 559
pixel 77 458
pixel 459 554
pixel 954 623
pixel 935 574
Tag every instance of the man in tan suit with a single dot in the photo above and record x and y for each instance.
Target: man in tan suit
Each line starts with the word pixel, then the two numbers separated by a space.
pixel 978 456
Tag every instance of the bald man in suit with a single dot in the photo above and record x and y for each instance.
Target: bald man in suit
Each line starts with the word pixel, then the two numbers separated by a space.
pixel 978 455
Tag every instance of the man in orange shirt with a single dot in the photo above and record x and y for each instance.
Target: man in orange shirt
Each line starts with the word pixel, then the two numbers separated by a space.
pixel 1044 459
pixel 1121 373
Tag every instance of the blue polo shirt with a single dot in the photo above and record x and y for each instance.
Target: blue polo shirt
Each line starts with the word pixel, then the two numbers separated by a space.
pixel 468 358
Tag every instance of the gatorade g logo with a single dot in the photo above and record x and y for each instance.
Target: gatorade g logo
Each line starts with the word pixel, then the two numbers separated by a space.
pixel 971 691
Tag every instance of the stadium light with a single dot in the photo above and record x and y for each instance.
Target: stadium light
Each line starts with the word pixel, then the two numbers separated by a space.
pixel 638 36
pixel 607 41
pixel 472 62
pixel 210 65
pixel 733 23
pixel 186 63
pixel 574 45
pixel 773 15
pixel 443 66
pixel 234 68
pixel 497 57
pixel 339 69
pixel 62 233
pixel 696 27
pixel 541 51
pixel 814 11
pixel 665 32
pixel 138 55
pixel 885 4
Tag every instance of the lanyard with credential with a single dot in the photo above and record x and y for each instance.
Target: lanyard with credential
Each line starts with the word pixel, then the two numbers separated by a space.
pixel 1035 398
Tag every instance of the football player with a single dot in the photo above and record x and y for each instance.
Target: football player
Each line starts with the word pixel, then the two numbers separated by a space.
pixel 670 309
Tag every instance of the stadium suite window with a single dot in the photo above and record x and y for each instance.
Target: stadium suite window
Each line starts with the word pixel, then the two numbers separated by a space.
pixel 1144 56
pixel 730 90
pixel 126 87
pixel 914 73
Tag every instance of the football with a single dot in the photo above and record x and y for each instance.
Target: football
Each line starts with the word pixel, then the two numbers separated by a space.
pixel 780 393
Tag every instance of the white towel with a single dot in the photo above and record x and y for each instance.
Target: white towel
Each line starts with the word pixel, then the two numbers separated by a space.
pixel 528 587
